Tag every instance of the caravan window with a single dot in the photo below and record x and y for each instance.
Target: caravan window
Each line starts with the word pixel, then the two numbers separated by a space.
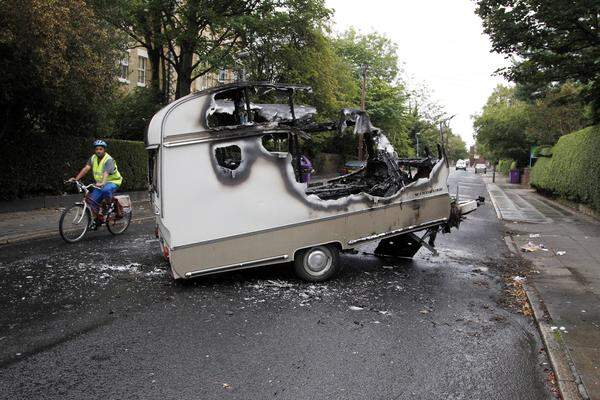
pixel 229 157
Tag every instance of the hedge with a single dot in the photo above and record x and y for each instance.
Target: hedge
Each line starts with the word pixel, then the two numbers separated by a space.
pixel 33 165
pixel 573 171
pixel 504 166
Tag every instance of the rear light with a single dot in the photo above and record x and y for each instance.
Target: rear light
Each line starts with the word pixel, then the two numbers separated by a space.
pixel 165 251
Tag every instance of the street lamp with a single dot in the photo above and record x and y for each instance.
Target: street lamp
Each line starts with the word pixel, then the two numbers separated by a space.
pixel 417 134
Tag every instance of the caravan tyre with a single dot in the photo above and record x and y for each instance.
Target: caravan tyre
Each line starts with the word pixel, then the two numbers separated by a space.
pixel 317 264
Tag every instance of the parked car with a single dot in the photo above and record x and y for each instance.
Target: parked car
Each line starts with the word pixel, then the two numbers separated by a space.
pixel 352 166
pixel 461 164
pixel 480 168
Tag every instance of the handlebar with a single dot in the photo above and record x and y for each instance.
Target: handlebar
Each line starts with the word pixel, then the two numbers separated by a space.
pixel 80 186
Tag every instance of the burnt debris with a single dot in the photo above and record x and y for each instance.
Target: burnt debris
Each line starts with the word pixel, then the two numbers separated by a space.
pixel 269 110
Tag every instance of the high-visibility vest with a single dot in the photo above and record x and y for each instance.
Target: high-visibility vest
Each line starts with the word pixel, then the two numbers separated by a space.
pixel 98 169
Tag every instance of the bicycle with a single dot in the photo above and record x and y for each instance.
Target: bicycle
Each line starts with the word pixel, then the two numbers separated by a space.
pixel 76 220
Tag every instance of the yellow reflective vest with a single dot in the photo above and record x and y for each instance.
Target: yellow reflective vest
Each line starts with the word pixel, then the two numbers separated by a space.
pixel 98 170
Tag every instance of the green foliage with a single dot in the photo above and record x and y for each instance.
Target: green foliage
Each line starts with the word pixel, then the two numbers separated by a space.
pixel 558 111
pixel 386 97
pixel 573 170
pixel 512 121
pixel 375 51
pixel 132 112
pixel 58 67
pixel 457 148
pixel 38 165
pixel 505 165
pixel 555 41
pixel 502 125
pixel 197 37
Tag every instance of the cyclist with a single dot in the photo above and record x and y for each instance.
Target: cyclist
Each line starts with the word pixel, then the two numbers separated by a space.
pixel 106 174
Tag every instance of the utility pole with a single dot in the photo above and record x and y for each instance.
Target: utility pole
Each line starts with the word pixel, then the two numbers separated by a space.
pixel 363 88
pixel 363 95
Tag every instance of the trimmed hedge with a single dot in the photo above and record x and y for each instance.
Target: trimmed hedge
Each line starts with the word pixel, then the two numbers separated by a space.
pixel 33 165
pixel 504 166
pixel 573 171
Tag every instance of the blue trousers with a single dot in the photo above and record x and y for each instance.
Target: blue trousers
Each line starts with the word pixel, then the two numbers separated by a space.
pixel 99 194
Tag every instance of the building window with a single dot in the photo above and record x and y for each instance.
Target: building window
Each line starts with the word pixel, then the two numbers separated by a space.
pixel 124 68
pixel 142 61
pixel 222 75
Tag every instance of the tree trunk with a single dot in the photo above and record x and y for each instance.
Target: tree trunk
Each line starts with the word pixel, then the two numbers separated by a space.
pixel 156 83
pixel 184 73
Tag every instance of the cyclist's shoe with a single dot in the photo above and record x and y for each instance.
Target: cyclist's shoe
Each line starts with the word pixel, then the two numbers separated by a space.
pixel 93 226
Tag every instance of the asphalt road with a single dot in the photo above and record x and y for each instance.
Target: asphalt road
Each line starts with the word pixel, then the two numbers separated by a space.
pixel 103 320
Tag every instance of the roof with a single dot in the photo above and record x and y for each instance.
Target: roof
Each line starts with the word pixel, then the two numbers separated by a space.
pixel 189 114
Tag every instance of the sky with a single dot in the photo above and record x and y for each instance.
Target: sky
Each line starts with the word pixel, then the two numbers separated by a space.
pixel 440 43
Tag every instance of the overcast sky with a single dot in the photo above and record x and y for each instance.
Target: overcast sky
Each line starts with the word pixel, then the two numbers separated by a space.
pixel 440 43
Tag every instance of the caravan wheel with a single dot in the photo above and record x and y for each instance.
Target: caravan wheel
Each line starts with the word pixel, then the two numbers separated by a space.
pixel 317 264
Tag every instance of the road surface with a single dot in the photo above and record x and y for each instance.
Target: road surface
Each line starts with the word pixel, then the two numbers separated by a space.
pixel 102 320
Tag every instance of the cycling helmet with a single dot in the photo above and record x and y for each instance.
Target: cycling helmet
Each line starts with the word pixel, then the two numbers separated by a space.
pixel 100 143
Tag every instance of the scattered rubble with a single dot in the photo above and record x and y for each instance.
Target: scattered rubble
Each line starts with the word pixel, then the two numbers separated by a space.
pixel 531 247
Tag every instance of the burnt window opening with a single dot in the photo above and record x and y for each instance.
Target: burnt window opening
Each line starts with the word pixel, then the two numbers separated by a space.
pixel 383 175
pixel 250 105
pixel 231 108
pixel 276 142
pixel 229 157
pixel 292 143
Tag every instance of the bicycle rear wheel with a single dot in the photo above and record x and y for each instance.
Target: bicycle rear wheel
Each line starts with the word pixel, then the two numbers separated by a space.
pixel 118 226
pixel 74 223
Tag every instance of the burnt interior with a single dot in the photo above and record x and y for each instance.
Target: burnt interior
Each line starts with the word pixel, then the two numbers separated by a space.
pixel 383 174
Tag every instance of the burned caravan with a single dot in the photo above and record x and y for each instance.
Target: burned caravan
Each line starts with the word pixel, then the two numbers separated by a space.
pixel 228 194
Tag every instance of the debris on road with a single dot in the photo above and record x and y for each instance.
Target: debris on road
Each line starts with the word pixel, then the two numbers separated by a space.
pixel 532 247
pixel 355 308
pixel 561 253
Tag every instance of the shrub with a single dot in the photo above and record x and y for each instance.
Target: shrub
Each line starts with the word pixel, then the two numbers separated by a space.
pixel 39 164
pixel 573 170
pixel 504 166
pixel 133 111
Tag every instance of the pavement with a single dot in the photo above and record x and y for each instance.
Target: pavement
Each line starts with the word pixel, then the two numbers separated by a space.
pixel 102 319
pixel 566 253
pixel 43 223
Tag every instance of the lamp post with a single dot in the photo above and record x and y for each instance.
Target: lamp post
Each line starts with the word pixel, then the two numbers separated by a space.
pixel 417 134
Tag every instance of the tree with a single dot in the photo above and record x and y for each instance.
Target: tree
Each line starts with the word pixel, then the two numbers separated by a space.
pixel 386 97
pixel 558 113
pixel 554 41
pixel 292 46
pixel 131 113
pixel 457 148
pixel 197 37
pixel 58 64
pixel 502 125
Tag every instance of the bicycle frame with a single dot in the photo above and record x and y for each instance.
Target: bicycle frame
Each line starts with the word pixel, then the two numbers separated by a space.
pixel 84 189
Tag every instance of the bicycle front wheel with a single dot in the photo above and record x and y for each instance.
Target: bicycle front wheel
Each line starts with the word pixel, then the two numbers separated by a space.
pixel 118 226
pixel 74 223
